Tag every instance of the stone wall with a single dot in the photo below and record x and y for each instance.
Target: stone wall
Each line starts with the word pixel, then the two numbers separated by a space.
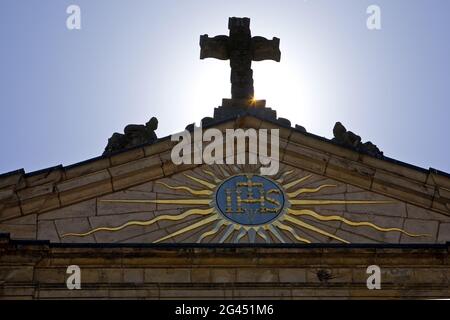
pixel 37 270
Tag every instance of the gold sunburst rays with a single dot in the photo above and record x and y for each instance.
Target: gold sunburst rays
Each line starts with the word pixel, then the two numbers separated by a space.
pixel 146 222
pixel 210 213
pixel 190 190
pixel 213 223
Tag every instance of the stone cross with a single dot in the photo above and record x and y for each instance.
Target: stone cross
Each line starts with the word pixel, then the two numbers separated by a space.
pixel 241 49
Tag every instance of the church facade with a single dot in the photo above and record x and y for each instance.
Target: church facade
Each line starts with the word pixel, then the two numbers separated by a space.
pixel 137 225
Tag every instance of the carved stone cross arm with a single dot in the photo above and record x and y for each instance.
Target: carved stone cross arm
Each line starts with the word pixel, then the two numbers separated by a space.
pixel 241 49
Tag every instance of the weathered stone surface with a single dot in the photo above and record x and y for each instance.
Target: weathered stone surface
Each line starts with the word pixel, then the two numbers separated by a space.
pixel 381 221
pixel 277 272
pixel 74 225
pixel 350 171
pixel 51 275
pixel 118 220
pixel 392 207
pixel 420 227
pixel 305 158
pixel 149 237
pixel 16 274
pixel 87 168
pixel 12 179
pixel 8 194
pixel 444 233
pixel 136 172
pixel 84 181
pixel 51 175
pixel 201 275
pixel 223 275
pixel 88 192
pixel 9 212
pixel 82 209
pixel 39 204
pixel 416 212
pixel 127 156
pixel 292 275
pixel 257 275
pixel 28 219
pixel 106 207
pixel 47 231
pixel 167 275
pixel 19 231
pixel 133 275
pixel 102 275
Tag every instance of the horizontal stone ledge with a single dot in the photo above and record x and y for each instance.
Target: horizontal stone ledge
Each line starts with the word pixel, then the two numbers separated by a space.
pixel 86 168
pixel 135 166
pixel 351 172
pixel 400 170
pixel 323 146
pixel 13 178
pixel 86 192
pixel 404 194
pixel 83 181
pixel 127 156
pixel 40 204
pixel 47 176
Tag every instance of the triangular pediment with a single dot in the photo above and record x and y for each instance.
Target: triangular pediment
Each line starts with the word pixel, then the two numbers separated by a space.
pixel 329 194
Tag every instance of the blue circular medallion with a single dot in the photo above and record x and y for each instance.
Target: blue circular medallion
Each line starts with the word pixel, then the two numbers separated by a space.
pixel 249 199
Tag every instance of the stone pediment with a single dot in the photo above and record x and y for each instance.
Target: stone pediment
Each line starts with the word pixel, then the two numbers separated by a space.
pixel 330 194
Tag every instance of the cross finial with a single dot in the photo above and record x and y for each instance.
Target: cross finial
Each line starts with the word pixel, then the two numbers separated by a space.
pixel 241 49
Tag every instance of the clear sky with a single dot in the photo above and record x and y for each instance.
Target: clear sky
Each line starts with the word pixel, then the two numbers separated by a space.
pixel 64 92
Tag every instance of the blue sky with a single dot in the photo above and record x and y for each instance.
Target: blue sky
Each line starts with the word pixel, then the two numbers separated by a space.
pixel 64 92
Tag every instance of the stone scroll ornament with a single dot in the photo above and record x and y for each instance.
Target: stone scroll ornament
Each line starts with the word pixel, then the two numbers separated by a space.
pixel 240 207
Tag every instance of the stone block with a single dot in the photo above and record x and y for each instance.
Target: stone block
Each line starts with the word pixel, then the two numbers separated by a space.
pixel 11 179
pixel 50 176
pixel 47 231
pixel 87 192
pixel 86 168
pixel 403 188
pixel 133 275
pixel 81 209
pixel 223 275
pixel 19 232
pixel 40 204
pixel 83 181
pixel 119 220
pixel 9 212
pixel 159 147
pixel 104 207
pixel 397 169
pixel 101 275
pixel 200 275
pixel 257 275
pixel 16 274
pixel 350 171
pixel 444 233
pixel 158 275
pixel 74 225
pixel 53 275
pixel 416 226
pixel 292 275
pixel 120 183
pixel 127 156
